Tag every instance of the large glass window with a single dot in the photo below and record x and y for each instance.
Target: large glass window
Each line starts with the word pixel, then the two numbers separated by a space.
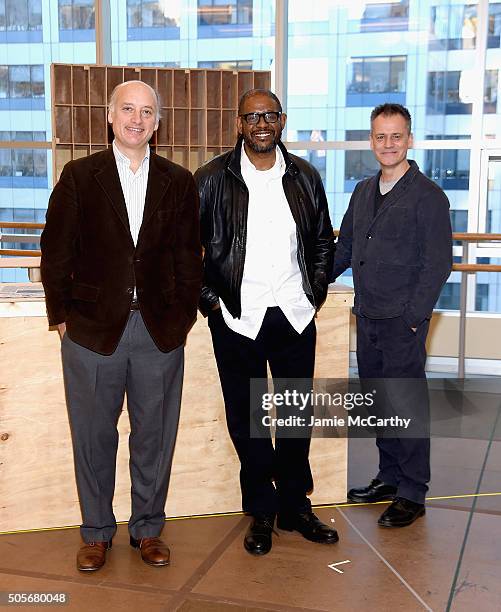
pixel 23 168
pixel 224 18
pixel 221 34
pixel 494 25
pixel 453 27
pixel 382 16
pixel 23 15
pixel 21 87
pixel 147 19
pixel 448 92
pixel 373 80
pixel 449 168
pixel 20 21
pixel 345 57
pixel 76 20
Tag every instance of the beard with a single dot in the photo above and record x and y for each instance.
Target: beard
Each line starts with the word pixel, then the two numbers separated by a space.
pixel 258 147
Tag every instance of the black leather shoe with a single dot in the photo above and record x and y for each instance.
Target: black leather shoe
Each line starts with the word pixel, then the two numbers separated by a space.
pixel 309 526
pixel 400 513
pixel 257 540
pixel 376 491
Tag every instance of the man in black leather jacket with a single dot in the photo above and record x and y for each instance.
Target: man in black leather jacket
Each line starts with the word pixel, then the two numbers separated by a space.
pixel 396 236
pixel 268 246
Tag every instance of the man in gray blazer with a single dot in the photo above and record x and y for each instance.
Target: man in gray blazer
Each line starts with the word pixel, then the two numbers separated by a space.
pixel 396 237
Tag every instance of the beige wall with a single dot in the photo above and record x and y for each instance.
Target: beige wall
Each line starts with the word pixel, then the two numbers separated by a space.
pixel 37 485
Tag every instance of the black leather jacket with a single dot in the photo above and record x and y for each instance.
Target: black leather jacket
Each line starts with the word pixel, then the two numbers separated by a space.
pixel 224 199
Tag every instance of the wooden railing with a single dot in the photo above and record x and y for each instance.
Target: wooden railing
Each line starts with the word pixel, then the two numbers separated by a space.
pixel 13 237
pixel 30 259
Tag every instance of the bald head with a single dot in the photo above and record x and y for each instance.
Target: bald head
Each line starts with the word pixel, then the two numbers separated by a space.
pixel 120 89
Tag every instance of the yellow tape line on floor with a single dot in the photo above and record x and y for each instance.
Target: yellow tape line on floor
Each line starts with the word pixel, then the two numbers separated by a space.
pixel 202 516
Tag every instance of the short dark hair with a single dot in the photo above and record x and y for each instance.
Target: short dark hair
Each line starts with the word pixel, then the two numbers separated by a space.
pixel 389 109
pixel 258 92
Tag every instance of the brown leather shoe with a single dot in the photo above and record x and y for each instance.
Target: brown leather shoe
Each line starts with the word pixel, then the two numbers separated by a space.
pixel 153 550
pixel 92 556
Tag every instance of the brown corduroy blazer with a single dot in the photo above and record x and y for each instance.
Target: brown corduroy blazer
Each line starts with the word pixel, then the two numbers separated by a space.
pixel 90 265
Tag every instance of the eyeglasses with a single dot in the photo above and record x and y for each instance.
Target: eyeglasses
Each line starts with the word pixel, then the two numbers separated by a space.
pixel 269 117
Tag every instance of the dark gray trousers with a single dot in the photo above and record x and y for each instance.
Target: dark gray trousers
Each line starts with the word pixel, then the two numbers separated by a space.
pixel 389 351
pixel 95 387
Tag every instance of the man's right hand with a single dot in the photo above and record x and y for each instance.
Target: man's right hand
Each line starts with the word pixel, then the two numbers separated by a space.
pixel 61 328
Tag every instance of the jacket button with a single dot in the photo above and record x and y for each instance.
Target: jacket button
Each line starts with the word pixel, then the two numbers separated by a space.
pixel 137 260
pixel 130 290
pixel 361 263
pixel 369 236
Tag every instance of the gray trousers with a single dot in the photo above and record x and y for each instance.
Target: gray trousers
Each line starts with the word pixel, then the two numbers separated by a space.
pixel 95 387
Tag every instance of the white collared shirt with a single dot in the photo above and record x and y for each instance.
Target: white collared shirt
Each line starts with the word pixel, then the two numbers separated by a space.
pixel 133 187
pixel 271 274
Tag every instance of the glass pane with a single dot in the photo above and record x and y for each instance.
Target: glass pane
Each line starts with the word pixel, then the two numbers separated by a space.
pixel 488 287
pixel 3 19
pixel 35 14
pixel 5 162
pixel 17 15
pixel 19 81
pixel 494 25
pixel 492 117
pixel 65 16
pixel 37 81
pixel 453 26
pixel 219 34
pixel 23 168
pixel 4 82
pixel 493 221
pixel 83 15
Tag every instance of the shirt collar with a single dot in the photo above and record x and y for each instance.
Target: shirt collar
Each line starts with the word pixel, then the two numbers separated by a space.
pixel 277 170
pixel 121 158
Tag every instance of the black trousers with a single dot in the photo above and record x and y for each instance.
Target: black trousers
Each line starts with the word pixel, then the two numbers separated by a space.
pixel 387 350
pixel 272 479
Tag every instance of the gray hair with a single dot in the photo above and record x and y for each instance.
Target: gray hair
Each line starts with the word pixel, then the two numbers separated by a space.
pixel 156 97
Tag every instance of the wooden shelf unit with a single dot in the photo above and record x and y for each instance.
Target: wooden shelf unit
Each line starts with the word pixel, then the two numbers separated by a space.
pixel 198 110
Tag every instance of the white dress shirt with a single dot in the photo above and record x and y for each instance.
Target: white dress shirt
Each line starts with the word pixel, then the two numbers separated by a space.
pixel 133 187
pixel 271 274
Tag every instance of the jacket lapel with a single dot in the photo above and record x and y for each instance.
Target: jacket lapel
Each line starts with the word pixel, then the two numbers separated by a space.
pixel 370 199
pixel 109 181
pixel 158 183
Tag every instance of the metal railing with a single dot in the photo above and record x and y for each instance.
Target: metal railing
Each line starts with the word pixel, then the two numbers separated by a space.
pixel 30 259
